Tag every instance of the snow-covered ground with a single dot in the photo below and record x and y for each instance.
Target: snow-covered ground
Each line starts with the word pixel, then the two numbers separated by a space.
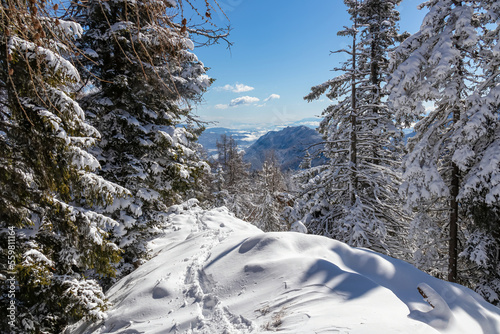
pixel 213 273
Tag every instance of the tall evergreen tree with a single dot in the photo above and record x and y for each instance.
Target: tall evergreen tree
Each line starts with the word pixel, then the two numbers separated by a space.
pixel 47 188
pixel 235 189
pixel 477 155
pixel 438 64
pixel 352 198
pixel 143 77
pixel 269 196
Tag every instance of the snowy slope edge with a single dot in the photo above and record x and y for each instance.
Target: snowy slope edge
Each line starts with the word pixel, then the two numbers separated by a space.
pixel 213 273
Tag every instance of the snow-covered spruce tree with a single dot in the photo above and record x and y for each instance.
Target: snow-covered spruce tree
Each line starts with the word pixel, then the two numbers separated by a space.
pixel 233 172
pixel 50 237
pixel 477 139
pixel 269 199
pixel 352 197
pixel 306 162
pixel 455 139
pixel 217 192
pixel 142 76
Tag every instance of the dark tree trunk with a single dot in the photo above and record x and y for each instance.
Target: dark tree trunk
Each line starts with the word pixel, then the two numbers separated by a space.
pixel 453 244
pixel 354 140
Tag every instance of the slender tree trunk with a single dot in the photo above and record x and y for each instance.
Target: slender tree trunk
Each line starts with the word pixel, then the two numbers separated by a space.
pixel 354 140
pixel 453 244
pixel 454 186
pixel 374 78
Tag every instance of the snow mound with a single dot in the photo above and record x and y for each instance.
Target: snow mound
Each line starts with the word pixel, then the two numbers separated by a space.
pixel 213 273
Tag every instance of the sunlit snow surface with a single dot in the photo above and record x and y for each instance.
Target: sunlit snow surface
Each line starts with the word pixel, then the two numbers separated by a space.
pixel 213 273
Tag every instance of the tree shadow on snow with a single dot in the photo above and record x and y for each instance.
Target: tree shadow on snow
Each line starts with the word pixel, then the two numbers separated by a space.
pixel 347 284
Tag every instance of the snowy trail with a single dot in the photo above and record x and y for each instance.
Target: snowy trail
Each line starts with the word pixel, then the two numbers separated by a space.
pixel 199 309
pixel 200 289
pixel 212 274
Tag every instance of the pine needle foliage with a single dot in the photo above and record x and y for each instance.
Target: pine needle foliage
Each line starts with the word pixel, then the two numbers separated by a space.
pixel 141 79
pixel 47 185
pixel 352 197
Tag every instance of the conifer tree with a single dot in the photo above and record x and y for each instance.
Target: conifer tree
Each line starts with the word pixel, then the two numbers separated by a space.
pixel 47 186
pixel 143 76
pixel 438 65
pixel 352 198
pixel 450 170
pixel 477 150
pixel 218 191
pixel 268 199
pixel 236 178
pixel 306 163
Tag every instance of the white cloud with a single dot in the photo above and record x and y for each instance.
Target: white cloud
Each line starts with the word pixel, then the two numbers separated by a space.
pixel 221 106
pixel 313 124
pixel 243 100
pixel 237 88
pixel 272 97
pixel 252 136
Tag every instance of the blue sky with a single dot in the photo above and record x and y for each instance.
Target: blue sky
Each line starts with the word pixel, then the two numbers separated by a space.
pixel 280 50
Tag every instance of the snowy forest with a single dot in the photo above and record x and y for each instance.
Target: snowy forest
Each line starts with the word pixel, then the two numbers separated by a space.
pixel 98 138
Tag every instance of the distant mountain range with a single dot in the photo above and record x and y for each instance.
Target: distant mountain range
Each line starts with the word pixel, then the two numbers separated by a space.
pixel 245 134
pixel 289 146
pixel 244 138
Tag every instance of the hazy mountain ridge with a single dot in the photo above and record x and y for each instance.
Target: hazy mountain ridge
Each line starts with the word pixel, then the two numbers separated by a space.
pixel 247 134
pixel 289 146
pixel 244 138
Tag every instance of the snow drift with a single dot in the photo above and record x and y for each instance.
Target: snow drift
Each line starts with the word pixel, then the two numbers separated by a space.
pixel 213 273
